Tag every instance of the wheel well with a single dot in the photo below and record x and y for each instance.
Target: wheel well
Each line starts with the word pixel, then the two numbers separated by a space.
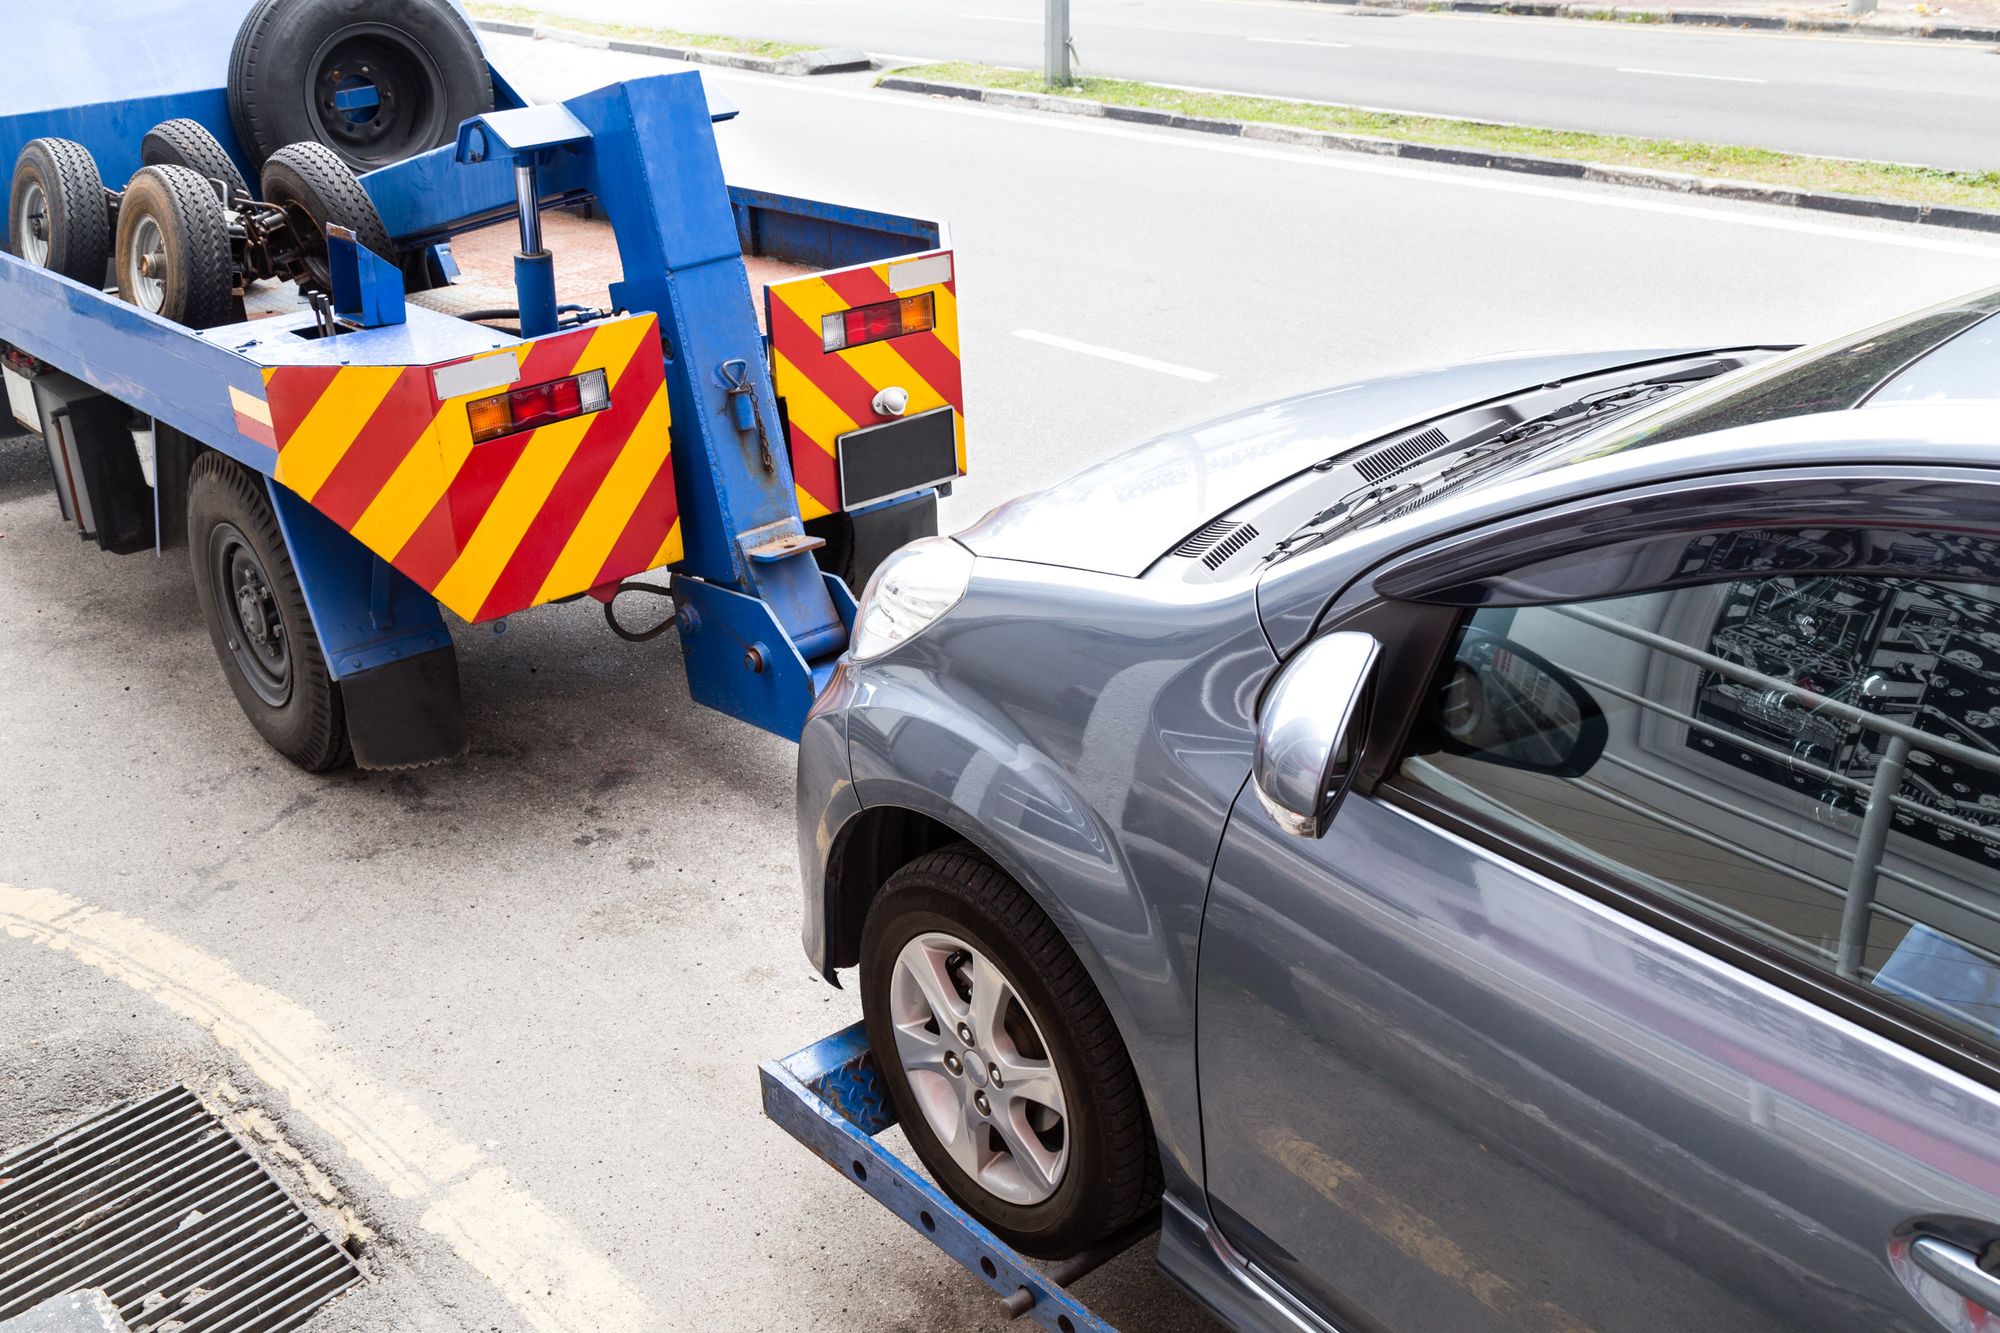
pixel 880 841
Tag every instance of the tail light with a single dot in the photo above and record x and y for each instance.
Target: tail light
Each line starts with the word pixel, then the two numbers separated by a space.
pixel 873 323
pixel 537 405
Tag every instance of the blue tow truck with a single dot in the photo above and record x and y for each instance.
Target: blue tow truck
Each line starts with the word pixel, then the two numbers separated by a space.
pixel 294 379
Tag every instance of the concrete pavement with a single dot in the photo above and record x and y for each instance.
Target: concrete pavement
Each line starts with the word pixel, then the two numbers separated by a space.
pixel 568 952
pixel 1889 100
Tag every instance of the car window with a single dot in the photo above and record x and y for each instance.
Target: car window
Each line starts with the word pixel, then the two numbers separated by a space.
pixel 1964 370
pixel 1812 760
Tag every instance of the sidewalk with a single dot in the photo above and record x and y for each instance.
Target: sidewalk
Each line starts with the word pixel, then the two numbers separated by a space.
pixel 1960 20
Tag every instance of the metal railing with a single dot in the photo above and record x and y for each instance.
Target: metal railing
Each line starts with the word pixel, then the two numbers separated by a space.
pixel 1883 797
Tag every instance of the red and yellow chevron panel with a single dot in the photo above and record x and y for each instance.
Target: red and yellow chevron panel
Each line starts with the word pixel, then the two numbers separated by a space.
pixel 828 394
pixel 494 528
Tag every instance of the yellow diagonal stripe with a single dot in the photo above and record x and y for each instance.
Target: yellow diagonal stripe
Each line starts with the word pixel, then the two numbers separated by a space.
pixel 809 299
pixel 670 549
pixel 477 569
pixel 809 408
pixel 307 457
pixel 617 498
pixel 613 347
pixel 882 366
pixel 400 506
pixel 808 506
pixel 945 311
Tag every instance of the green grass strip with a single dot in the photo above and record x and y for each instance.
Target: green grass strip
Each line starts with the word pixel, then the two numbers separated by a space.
pixel 627 32
pixel 1877 180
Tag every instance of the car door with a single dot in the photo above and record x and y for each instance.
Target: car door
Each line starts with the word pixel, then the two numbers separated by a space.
pixel 1656 983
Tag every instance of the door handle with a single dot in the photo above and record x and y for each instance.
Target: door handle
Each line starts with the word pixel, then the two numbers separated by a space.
pixel 1958 1269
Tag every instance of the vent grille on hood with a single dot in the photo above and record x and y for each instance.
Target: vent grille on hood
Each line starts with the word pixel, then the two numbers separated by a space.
pixel 159 1206
pixel 1216 542
pixel 1396 457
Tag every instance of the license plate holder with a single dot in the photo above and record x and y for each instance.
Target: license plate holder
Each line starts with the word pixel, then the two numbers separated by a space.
pixel 897 457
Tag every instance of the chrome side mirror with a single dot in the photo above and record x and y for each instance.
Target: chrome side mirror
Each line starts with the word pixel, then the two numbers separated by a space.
pixel 1308 735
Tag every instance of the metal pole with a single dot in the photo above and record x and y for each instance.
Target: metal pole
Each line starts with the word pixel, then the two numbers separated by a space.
pixel 1055 42
pixel 1868 845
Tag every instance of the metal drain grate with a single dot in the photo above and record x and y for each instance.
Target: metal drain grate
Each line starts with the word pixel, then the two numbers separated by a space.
pixel 1393 459
pixel 157 1204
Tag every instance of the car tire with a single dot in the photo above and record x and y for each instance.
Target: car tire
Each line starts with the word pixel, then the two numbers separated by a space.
pixel 187 143
pixel 172 256
pixel 317 190
pixel 247 588
pixel 292 57
pixel 1098 1146
pixel 57 214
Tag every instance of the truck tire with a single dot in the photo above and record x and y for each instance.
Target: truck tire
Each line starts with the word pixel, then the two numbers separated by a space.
pixel 1066 1155
pixel 57 215
pixel 187 143
pixel 316 189
pixel 257 618
pixel 173 248
pixel 415 62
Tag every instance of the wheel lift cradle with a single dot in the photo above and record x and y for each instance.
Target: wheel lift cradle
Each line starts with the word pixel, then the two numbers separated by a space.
pixel 831 1098
pixel 695 440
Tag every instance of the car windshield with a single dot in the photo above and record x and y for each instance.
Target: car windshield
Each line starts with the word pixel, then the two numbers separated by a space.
pixel 1951 351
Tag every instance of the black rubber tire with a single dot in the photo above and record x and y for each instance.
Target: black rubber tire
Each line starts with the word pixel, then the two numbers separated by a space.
pixel 228 509
pixel 187 143
pixel 198 285
pixel 1113 1176
pixel 316 189
pixel 290 55
pixel 77 222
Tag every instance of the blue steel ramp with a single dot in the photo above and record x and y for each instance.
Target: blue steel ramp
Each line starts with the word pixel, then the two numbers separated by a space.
pixel 830 1097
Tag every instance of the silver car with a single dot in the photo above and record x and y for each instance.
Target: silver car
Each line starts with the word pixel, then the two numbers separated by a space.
pixel 1509 847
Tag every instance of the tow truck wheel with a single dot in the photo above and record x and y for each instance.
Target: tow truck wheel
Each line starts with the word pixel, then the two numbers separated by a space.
pixel 187 143
pixel 173 248
pixel 257 617
pixel 1009 1076
pixel 57 215
pixel 316 189
pixel 376 81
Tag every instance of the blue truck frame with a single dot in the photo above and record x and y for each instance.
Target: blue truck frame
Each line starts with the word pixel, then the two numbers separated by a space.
pixel 761 626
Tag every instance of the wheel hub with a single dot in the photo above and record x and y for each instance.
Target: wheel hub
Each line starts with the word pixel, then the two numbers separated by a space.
pixel 34 231
pixel 979 1069
pixel 253 626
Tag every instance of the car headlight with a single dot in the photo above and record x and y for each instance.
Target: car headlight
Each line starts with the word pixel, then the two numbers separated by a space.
pixel 909 591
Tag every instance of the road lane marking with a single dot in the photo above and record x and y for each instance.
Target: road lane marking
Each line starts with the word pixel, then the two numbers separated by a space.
pixel 533 1255
pixel 1684 74
pixel 1113 354
pixel 1296 41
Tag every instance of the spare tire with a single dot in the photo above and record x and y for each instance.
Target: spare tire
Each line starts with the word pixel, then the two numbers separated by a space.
pixel 316 190
pixel 57 215
pixel 187 143
pixel 376 81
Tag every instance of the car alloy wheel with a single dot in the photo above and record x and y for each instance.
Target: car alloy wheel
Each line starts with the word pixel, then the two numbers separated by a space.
pixel 979 1068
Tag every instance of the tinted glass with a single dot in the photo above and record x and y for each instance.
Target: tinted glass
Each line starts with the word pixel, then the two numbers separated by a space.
pixel 1966 369
pixel 1811 760
pixel 1832 377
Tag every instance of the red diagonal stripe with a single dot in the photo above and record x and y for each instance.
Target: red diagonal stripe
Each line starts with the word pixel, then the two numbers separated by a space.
pixel 392 430
pixel 555 522
pixel 292 392
pixel 813 469
pixel 429 553
pixel 925 352
pixel 836 379
pixel 645 530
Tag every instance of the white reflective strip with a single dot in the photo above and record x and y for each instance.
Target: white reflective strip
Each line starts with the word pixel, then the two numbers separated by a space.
pixel 250 405
pixel 486 372
pixel 912 274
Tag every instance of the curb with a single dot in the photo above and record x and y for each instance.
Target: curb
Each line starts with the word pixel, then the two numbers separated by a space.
pixel 1645 178
pixel 827 60
pixel 1702 18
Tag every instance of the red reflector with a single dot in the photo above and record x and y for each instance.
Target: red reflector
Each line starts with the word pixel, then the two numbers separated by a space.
pixel 537 405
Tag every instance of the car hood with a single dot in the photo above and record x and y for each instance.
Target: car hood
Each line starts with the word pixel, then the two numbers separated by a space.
pixel 1120 515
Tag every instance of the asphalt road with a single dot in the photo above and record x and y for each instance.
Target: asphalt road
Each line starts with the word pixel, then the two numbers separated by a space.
pixel 514 1006
pixel 1898 101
